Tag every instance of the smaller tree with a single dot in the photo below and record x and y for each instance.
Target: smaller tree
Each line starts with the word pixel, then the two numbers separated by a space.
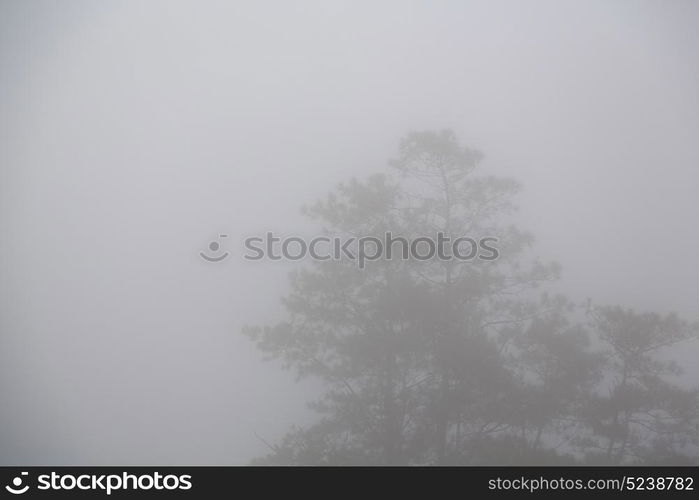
pixel 641 415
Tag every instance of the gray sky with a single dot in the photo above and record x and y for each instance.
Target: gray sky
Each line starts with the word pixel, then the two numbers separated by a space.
pixel 132 133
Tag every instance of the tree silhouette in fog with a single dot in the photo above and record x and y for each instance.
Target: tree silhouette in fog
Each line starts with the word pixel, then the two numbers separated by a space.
pixel 465 362
pixel 641 416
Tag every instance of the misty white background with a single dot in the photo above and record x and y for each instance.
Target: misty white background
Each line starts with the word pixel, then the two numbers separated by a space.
pixel 132 133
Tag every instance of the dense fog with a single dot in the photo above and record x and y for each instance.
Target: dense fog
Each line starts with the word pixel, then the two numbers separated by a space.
pixel 134 134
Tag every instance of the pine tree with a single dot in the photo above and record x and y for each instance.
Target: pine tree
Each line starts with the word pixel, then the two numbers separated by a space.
pixel 408 349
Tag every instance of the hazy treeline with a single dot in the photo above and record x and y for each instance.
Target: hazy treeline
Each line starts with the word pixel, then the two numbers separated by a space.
pixel 452 362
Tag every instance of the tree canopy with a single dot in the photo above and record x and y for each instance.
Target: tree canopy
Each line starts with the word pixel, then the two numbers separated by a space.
pixel 467 362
